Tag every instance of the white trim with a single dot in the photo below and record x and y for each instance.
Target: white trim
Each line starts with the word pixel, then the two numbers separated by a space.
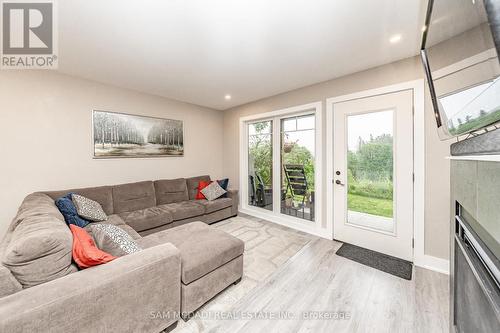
pixel 434 264
pixel 276 166
pixel 419 170
pixel 243 190
pixel 329 167
pixel 417 86
pixel 281 112
pixel 315 227
pixel 490 158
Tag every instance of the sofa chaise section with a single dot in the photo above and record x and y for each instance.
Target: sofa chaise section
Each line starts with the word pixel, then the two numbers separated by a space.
pixel 135 293
pixel 211 261
pixel 42 290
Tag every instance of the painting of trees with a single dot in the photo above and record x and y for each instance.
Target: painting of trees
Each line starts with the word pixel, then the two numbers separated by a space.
pixel 113 130
pixel 167 133
pixel 124 135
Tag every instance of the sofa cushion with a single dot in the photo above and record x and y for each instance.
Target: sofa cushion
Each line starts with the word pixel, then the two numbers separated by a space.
pixel 148 218
pixel 192 185
pixel 112 239
pixel 133 196
pixel 36 204
pixel 183 210
pixel 69 211
pixel 8 283
pixel 39 249
pixel 215 205
pixel 102 194
pixel 171 190
pixel 203 248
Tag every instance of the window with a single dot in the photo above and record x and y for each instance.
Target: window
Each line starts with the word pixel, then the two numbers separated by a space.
pixel 260 164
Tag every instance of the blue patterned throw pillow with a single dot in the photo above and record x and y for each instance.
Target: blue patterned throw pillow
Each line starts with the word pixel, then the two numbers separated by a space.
pixel 68 210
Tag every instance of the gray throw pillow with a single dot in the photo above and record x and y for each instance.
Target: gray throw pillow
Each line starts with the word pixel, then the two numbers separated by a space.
pixel 112 239
pixel 213 191
pixel 88 209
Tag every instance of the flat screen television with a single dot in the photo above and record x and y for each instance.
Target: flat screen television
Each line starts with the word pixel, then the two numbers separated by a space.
pixel 460 48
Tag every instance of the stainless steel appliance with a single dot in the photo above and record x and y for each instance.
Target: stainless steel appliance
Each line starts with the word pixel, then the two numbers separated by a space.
pixel 476 287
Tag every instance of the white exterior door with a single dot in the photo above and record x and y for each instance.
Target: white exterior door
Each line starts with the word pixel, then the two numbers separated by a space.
pixel 373 173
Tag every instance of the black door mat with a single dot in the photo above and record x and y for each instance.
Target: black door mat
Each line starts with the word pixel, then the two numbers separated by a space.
pixel 383 262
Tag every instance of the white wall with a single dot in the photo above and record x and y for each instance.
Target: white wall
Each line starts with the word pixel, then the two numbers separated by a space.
pixel 437 167
pixel 46 137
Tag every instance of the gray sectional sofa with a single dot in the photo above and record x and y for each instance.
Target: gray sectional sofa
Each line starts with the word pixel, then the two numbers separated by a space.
pixel 184 262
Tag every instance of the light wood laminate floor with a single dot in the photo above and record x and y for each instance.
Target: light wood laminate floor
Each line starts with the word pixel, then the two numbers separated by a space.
pixel 318 282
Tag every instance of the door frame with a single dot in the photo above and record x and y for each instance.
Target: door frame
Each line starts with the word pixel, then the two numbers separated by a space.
pixel 417 88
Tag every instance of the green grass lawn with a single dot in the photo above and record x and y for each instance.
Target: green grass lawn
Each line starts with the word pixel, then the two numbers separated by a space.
pixel 374 206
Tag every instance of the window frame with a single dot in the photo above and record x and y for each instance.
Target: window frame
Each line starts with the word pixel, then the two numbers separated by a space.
pixel 315 227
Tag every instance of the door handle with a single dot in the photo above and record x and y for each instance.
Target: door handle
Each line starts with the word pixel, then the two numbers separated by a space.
pixel 338 182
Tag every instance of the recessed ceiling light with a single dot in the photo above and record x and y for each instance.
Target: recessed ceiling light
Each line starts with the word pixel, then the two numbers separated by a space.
pixel 227 97
pixel 394 39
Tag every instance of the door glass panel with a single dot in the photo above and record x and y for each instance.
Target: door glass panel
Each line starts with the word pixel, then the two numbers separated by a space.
pixel 297 165
pixel 370 170
pixel 260 164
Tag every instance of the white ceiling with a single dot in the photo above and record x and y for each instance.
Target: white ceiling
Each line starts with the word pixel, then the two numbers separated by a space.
pixel 198 50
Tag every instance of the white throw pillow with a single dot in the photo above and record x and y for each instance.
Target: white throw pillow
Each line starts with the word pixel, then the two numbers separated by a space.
pixel 213 191
pixel 112 239
pixel 88 209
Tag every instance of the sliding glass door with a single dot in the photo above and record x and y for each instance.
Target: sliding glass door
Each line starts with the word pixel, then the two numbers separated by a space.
pixel 280 167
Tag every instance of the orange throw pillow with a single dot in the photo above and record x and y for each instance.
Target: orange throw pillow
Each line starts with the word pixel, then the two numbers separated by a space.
pixel 201 185
pixel 85 253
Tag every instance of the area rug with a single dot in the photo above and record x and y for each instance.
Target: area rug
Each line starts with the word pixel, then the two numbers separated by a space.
pixel 267 247
pixel 383 262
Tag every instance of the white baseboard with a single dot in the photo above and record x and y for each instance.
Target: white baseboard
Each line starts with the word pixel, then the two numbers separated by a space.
pixel 434 264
